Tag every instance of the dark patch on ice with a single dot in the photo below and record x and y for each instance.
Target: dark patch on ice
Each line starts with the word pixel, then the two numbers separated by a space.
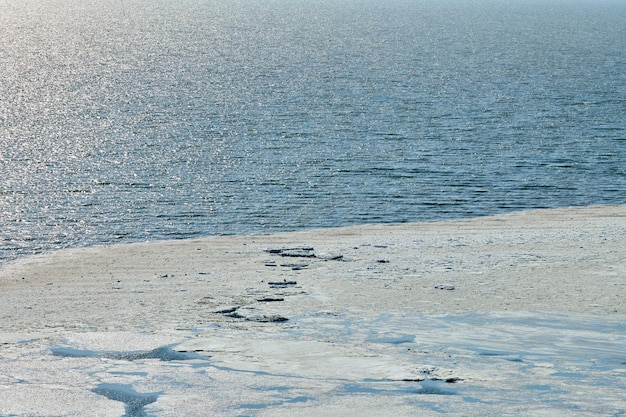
pixel 270 299
pixel 295 266
pixel 449 380
pixel 258 317
pixel 445 287
pixel 133 400
pixel 299 252
pixel 281 284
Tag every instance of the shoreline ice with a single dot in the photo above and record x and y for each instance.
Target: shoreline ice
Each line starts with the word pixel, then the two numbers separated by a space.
pixel 508 314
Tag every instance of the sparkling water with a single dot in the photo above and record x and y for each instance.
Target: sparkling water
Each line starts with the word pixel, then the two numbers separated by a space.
pixel 137 120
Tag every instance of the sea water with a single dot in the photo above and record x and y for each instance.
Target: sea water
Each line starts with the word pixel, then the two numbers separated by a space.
pixel 136 120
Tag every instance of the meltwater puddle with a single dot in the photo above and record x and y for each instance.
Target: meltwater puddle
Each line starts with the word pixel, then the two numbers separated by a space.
pixel 134 402
pixel 163 353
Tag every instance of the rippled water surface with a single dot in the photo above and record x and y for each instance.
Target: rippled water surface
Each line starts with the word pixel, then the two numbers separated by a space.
pixel 132 120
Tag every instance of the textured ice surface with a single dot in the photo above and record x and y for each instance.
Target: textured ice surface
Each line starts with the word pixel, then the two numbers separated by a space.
pixel 527 363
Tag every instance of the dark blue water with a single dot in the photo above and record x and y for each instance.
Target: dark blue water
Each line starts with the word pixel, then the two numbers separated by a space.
pixel 126 121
